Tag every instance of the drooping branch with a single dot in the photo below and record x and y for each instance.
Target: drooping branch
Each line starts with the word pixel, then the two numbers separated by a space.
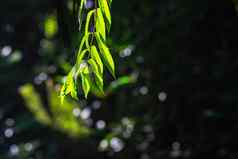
pixel 93 53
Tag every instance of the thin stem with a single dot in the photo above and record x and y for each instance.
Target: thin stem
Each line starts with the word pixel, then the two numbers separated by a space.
pixel 94 24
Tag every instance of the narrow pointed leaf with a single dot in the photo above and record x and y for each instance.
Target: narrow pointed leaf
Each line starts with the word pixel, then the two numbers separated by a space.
pixel 109 2
pixel 80 58
pixel 106 12
pixel 69 86
pixel 66 89
pixel 106 55
pixel 100 24
pixel 88 21
pixel 93 65
pixel 74 92
pixel 98 76
pixel 63 92
pixel 95 55
pixel 80 13
pixel 85 84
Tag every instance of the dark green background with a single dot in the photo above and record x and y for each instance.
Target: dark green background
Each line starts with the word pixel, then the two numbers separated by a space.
pixel 184 48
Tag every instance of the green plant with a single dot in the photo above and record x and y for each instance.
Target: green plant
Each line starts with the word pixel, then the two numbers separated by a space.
pixel 93 52
pixel 59 116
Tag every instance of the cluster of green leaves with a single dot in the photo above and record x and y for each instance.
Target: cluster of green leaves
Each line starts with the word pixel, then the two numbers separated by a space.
pixel 93 53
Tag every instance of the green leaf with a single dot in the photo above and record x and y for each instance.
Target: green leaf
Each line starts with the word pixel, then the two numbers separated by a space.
pixel 80 58
pixel 80 13
pixel 97 91
pixel 82 43
pixel 93 65
pixel 63 92
pixel 95 55
pixel 93 82
pixel 80 53
pixel 100 24
pixel 106 12
pixel 106 55
pixel 98 76
pixel 109 2
pixel 74 92
pixel 72 84
pixel 66 88
pixel 83 68
pixel 88 21
pixel 69 86
pixel 85 84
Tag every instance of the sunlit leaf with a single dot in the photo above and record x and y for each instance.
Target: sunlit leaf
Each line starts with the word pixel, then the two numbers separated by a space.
pixel 95 55
pixel 98 76
pixel 82 43
pixel 85 83
pixel 74 92
pixel 80 58
pixel 65 90
pixel 93 39
pixel 109 2
pixel 94 66
pixel 106 55
pixel 106 12
pixel 100 24
pixel 69 86
pixel 88 21
pixel 80 13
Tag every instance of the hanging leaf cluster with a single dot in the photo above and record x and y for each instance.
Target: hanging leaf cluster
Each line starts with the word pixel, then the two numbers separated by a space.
pixel 93 53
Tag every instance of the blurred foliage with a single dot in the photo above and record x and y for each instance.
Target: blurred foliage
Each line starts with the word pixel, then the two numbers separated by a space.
pixel 50 26
pixel 34 103
pixel 175 95
pixel 62 115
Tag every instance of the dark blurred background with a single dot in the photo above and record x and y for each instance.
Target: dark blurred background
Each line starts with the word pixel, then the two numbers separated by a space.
pixel 175 95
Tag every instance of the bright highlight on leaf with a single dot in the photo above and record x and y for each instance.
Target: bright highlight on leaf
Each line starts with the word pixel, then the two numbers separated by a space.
pixel 100 24
pixel 96 57
pixel 85 83
pixel 93 53
pixel 106 12
pixel 106 55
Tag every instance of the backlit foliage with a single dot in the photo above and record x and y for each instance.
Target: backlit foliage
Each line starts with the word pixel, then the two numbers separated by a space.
pixel 93 53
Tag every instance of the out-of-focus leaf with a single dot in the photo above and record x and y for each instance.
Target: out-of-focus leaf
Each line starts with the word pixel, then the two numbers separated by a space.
pixel 50 26
pixel 34 104
pixel 122 81
pixel 62 118
pixel 110 2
